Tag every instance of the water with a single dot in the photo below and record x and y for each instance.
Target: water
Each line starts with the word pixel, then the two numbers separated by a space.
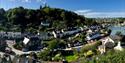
pixel 116 29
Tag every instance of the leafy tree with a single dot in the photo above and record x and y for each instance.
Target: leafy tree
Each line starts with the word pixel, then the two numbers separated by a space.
pixel 2 13
pixel 17 16
pixel 53 44
pixel 91 21
pixel 44 55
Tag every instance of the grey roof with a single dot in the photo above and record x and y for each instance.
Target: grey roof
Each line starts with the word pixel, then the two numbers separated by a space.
pixel 94 35
pixel 10 34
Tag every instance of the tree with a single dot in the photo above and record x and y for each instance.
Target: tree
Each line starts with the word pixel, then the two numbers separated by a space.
pixel 2 19
pixel 41 7
pixel 53 44
pixel 17 16
pixel 63 16
pixel 2 13
pixel 25 18
pixel 44 55
pixel 91 21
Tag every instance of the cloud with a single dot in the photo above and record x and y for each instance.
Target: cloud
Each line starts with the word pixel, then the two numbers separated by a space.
pixel 39 0
pixel 83 11
pixel 42 1
pixel 94 14
pixel 20 0
pixel 12 0
pixel 26 1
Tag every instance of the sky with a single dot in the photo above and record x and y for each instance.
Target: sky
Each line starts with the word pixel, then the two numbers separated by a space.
pixel 88 8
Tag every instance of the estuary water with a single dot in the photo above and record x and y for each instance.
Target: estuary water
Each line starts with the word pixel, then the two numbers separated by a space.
pixel 116 29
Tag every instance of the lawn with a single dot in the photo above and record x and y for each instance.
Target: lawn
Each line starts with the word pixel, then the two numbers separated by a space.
pixel 71 58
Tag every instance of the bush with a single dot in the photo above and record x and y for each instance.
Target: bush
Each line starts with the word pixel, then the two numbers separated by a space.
pixel 89 53
pixel 44 55
pixel 18 46
pixel 110 57
pixel 92 47
pixel 53 44
pixel 71 58
pixel 57 57
pixel 75 52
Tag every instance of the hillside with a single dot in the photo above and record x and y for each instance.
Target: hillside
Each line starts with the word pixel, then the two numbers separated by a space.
pixel 23 18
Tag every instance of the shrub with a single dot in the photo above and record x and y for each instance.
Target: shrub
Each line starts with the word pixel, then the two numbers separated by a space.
pixel 110 57
pixel 44 55
pixel 71 58
pixel 75 52
pixel 57 57
pixel 53 44
pixel 18 46
pixel 92 47
pixel 89 53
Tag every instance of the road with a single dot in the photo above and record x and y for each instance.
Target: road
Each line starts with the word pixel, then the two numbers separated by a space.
pixel 10 44
pixel 73 47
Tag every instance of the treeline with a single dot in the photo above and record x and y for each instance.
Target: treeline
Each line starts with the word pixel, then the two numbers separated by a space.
pixel 110 20
pixel 23 19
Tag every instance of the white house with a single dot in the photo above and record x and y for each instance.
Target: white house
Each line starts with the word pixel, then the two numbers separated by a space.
pixel 106 40
pixel 26 40
pixel 62 31
pixel 118 47
pixel 81 28
pixel 45 24
pixel 54 34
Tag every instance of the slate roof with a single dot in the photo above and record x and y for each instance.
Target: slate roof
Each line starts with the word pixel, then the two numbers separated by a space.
pixel 94 35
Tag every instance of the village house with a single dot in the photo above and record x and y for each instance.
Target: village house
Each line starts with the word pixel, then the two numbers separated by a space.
pixel 10 35
pixel 31 43
pixel 62 33
pixel 107 42
pixel 89 31
pixel 95 27
pixel 93 36
pixel 45 24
